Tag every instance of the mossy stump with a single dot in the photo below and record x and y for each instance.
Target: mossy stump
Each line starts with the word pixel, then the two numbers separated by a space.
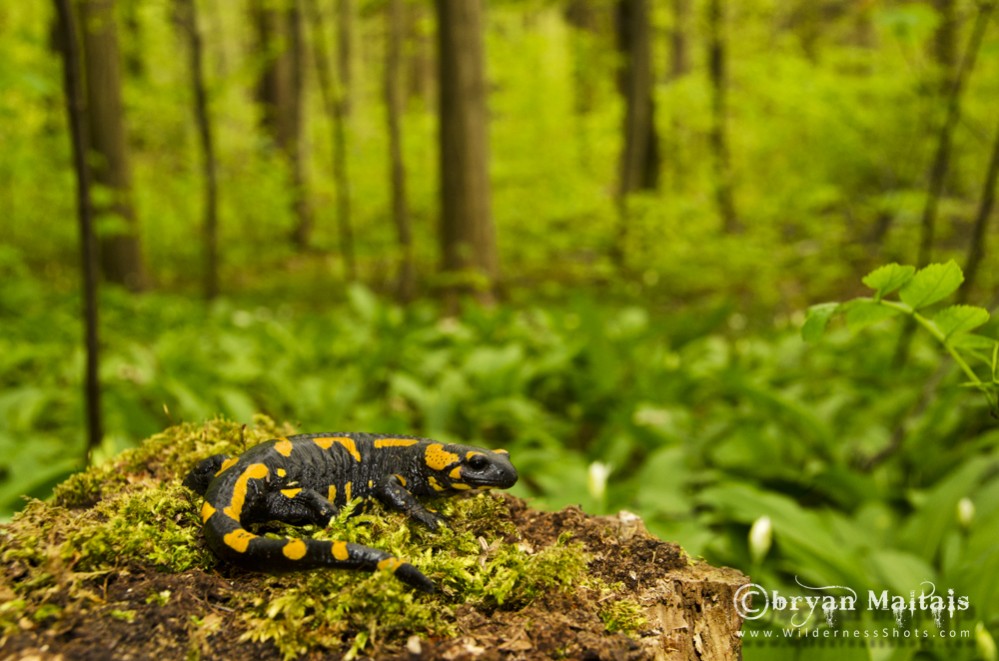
pixel 115 568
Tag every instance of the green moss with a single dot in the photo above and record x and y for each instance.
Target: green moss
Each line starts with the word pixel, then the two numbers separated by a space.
pixel 133 511
pixel 623 615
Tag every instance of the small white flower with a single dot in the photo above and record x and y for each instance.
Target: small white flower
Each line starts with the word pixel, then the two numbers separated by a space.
pixel 965 512
pixel 985 643
pixel 597 482
pixel 761 536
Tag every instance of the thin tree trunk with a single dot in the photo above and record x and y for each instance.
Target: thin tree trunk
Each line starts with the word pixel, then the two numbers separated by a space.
pixel 941 158
pixel 679 62
pixel 76 116
pixel 639 160
pixel 419 57
pixel 120 247
pixel 397 166
pixel 468 241
pixel 718 138
pixel 187 15
pixel 976 248
pixel 345 52
pixel 945 39
pixel 678 67
pixel 334 105
pixel 280 93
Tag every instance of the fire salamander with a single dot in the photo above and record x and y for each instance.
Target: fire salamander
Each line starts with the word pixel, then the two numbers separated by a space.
pixel 306 479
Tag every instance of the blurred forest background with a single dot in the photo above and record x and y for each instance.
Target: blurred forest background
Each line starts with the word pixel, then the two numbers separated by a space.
pixel 584 230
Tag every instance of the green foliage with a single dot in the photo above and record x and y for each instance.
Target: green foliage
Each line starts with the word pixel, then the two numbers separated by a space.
pixel 919 290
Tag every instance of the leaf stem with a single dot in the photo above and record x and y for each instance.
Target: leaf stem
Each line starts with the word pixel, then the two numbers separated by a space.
pixel 932 329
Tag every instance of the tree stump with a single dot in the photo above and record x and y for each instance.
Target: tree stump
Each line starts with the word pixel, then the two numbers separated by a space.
pixel 116 568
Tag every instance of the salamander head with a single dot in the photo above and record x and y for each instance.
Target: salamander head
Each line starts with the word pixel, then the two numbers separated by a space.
pixel 488 469
pixel 466 467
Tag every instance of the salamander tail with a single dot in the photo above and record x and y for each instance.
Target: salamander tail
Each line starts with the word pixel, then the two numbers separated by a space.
pixel 231 541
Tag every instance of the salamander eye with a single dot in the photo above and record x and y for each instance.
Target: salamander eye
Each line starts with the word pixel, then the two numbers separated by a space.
pixel 478 462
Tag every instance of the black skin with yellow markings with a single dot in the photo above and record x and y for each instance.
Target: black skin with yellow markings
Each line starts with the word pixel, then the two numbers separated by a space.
pixel 306 479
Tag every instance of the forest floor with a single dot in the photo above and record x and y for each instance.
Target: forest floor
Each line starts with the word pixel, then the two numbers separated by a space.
pixel 84 577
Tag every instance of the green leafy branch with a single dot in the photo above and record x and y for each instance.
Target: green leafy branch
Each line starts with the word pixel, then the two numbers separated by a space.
pixel 952 326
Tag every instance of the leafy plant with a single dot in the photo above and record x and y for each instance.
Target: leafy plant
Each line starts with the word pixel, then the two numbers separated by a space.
pixel 919 291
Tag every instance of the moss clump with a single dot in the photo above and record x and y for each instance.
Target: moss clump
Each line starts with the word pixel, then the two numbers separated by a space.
pixel 132 513
pixel 623 615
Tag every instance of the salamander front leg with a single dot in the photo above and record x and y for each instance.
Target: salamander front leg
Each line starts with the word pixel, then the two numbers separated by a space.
pixel 392 494
pixel 295 506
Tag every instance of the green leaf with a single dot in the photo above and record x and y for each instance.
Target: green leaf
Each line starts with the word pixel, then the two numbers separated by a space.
pixel 973 341
pixel 886 279
pixel 960 319
pixel 817 320
pixel 862 313
pixel 932 284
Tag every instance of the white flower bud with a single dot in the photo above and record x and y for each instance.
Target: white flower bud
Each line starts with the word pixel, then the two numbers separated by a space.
pixel 761 536
pixel 597 482
pixel 965 512
pixel 985 643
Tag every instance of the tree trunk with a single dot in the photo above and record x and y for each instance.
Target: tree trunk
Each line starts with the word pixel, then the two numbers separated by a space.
pixel 976 248
pixel 941 157
pixel 187 17
pixel 279 91
pixel 119 245
pixel 334 103
pixel 945 40
pixel 639 161
pixel 418 55
pixel 679 62
pixel 77 120
pixel 678 67
pixel 345 52
pixel 397 166
pixel 718 138
pixel 468 243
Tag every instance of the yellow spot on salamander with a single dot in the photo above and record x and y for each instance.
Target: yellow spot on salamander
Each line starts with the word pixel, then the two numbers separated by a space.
pixel 350 446
pixel 371 484
pixel 340 551
pixel 283 447
pixel 455 473
pixel 401 479
pixel 294 549
pixel 290 493
pixel 331 493
pixel 227 464
pixel 501 452
pixel 460 486
pixel 395 442
pixel 239 539
pixel 472 453
pixel 206 512
pixel 282 472
pixel 435 485
pixel 252 472
pixel 323 443
pixel 348 443
pixel 346 491
pixel 391 564
pixel 437 458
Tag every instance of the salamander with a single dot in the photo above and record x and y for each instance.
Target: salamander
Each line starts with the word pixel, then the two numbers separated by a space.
pixel 306 479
